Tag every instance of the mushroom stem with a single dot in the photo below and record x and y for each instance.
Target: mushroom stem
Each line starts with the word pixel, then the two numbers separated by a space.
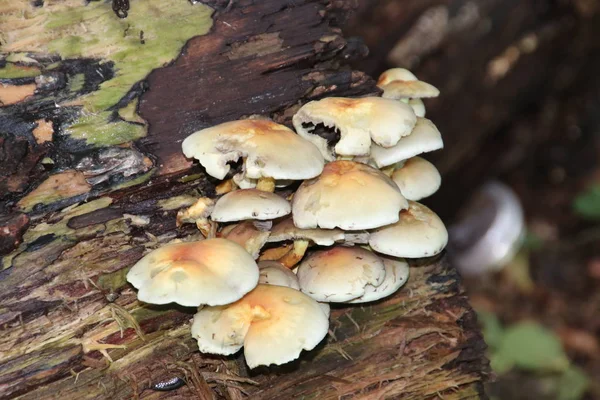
pixel 389 170
pixel 225 187
pixel 207 228
pixel 266 184
pixel 275 253
pixel 294 256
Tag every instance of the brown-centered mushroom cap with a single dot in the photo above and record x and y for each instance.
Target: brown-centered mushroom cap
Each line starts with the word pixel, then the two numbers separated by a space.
pixel 357 123
pixel 269 150
pixel 248 236
pixel 212 271
pixel 347 195
pixel 273 324
pixel 273 273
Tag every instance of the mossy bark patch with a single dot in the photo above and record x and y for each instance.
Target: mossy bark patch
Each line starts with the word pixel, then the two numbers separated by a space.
pixel 151 36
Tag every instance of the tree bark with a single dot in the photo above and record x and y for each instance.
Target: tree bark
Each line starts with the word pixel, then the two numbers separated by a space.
pixel 71 325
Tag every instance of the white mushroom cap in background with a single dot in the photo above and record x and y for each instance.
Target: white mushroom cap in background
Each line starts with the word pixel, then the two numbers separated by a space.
pixel 418 233
pixel 250 204
pixel 270 150
pixel 273 324
pixel 286 230
pixel 417 178
pixel 425 137
pixel 212 271
pixel 347 195
pixel 273 273
pixel 399 83
pixel 248 236
pixel 359 121
pixel 340 274
pixel 396 275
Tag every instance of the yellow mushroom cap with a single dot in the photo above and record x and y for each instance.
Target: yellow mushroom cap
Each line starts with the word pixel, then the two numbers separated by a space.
pixel 348 195
pixel 425 137
pixel 250 204
pixel 340 274
pixel 396 275
pixel 248 236
pixel 273 324
pixel 270 150
pixel 212 271
pixel 417 178
pixel 418 233
pixel 359 121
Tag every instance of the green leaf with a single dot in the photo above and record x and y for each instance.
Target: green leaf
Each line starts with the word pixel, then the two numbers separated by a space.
pixel 587 204
pixel 573 384
pixel 491 328
pixel 529 346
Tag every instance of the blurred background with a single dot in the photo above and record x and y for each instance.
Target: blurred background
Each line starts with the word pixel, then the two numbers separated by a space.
pixel 520 105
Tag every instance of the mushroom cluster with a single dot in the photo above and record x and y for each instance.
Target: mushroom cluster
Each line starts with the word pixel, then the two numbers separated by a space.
pixel 325 215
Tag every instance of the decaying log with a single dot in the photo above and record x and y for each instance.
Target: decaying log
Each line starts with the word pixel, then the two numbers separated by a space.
pixel 81 205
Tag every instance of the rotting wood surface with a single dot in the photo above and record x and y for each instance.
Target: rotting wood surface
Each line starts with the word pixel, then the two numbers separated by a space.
pixel 70 230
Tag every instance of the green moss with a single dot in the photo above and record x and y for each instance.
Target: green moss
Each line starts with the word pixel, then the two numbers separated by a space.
pixel 113 281
pixel 11 70
pixel 136 181
pixel 93 31
pixel 76 83
pixel 96 130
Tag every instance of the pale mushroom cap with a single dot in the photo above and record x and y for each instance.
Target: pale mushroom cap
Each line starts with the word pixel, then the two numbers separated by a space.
pixel 417 178
pixel 344 196
pixel 286 230
pixel 359 121
pixel 273 324
pixel 249 237
pixel 418 233
pixel 400 83
pixel 409 89
pixel 418 107
pixel 340 274
pixel 273 273
pixel 271 150
pixel 212 271
pixel 395 74
pixel 424 138
pixel 250 204
pixel 396 275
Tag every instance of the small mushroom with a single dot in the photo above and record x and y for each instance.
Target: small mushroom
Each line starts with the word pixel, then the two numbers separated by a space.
pixel 340 274
pixel 286 230
pixel 248 236
pixel 396 275
pixel 418 233
pixel 198 213
pixel 400 83
pixel 417 178
pixel 269 151
pixel 345 127
pixel 211 271
pixel 347 195
pixel 245 204
pixel 274 273
pixel 272 323
pixel 425 137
